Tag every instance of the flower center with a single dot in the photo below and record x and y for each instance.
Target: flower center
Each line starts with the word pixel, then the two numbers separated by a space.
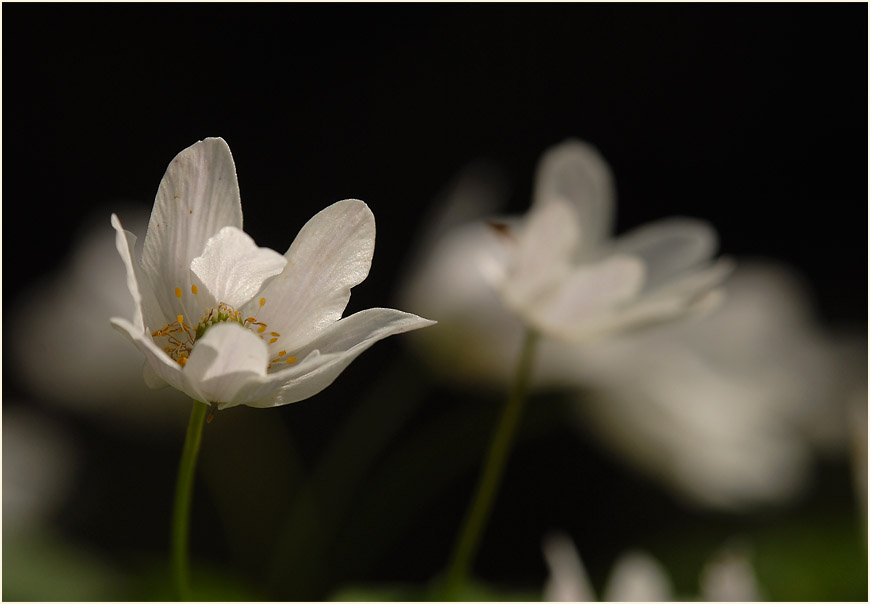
pixel 181 337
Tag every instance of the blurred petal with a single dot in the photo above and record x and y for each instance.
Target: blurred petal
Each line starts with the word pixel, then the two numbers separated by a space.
pixel 575 172
pixel 233 268
pixel 637 577
pixel 570 312
pixel 546 243
pixel 669 247
pixel 568 581
pixel 728 577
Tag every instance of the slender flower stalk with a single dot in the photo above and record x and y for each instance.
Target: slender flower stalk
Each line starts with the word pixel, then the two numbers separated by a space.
pixel 488 483
pixel 183 494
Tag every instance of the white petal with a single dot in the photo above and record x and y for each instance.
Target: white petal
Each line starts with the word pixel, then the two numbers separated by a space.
pixel 544 254
pixel 125 242
pixel 575 172
pixel 224 360
pixel 728 577
pixel 568 581
pixel 592 290
pixel 199 195
pixel 331 254
pixel 637 577
pixel 338 346
pixel 695 294
pixel 160 363
pixel 233 268
pixel 669 247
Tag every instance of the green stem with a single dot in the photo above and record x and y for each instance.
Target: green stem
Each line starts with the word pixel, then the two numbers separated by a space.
pixel 487 485
pixel 183 492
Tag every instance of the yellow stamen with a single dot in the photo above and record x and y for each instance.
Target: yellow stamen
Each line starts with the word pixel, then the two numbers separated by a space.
pixel 261 329
pixel 273 340
pixel 290 360
pixel 180 319
pixel 193 289
pixel 182 359
pixel 262 301
pixel 275 333
pixel 178 292
pixel 282 353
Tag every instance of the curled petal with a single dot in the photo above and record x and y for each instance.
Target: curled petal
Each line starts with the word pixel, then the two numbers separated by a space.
pixel 233 268
pixel 327 356
pixel 224 360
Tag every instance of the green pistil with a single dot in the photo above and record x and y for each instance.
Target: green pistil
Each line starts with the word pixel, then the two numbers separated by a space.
pixel 221 316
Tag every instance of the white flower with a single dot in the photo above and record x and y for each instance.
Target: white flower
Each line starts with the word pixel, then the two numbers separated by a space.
pixel 562 273
pixel 638 577
pixel 726 408
pixel 230 323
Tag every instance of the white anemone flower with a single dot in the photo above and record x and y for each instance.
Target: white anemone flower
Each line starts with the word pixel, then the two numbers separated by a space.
pixel 559 269
pixel 728 409
pixel 230 323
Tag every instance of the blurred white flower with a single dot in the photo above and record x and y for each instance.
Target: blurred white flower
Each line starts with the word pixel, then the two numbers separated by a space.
pixel 638 577
pixel 92 368
pixel 727 408
pixel 560 271
pixel 231 323
pixel 39 463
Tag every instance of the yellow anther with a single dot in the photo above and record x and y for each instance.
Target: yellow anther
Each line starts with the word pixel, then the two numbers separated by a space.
pixel 261 329
pixel 290 360
pixel 273 340
pixel 180 319
pixel 182 359
pixel 282 353
pixel 262 301
pixel 275 333
pixel 193 289
pixel 178 292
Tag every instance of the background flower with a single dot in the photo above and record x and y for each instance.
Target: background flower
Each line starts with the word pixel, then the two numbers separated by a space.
pixel 559 268
pixel 728 408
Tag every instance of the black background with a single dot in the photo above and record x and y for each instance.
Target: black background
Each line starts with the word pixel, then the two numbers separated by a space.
pixel 752 116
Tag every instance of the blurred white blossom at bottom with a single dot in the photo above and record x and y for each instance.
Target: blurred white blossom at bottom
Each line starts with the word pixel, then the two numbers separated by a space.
pixel 638 577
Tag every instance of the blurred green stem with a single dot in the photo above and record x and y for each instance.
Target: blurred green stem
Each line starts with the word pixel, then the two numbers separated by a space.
pixel 183 491
pixel 487 485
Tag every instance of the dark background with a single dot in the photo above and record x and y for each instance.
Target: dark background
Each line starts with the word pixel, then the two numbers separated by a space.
pixel 751 116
